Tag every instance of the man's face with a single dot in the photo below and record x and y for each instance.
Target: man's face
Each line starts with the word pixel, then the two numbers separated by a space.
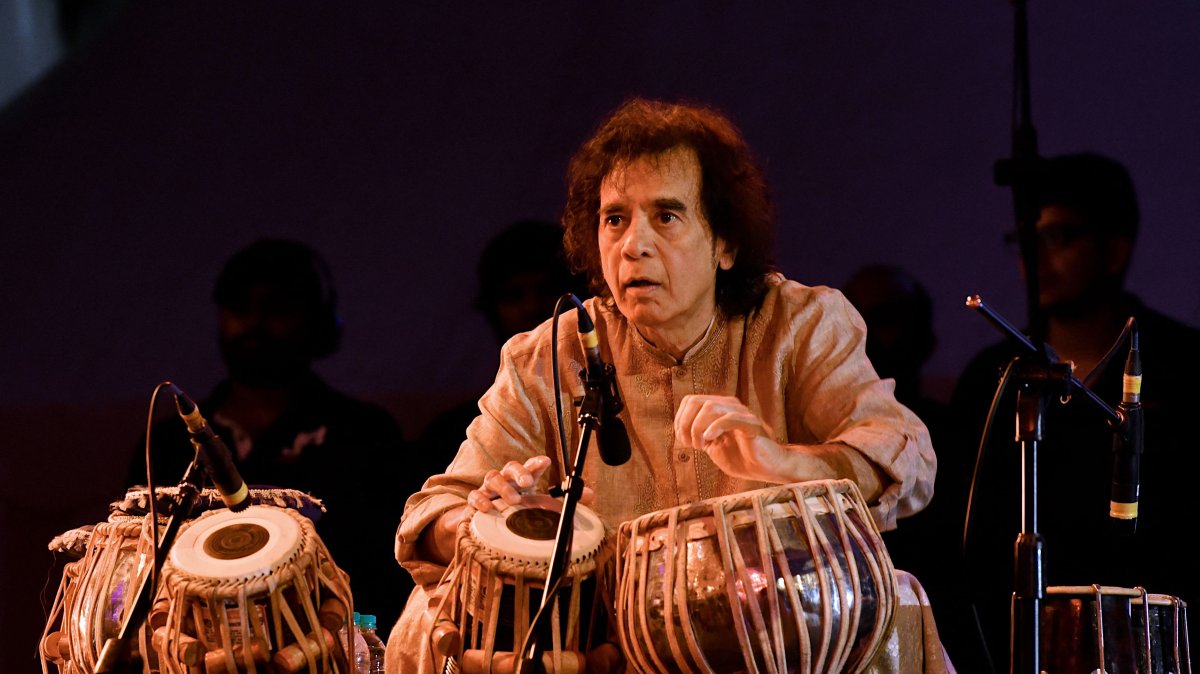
pixel 266 337
pixel 657 250
pixel 1074 266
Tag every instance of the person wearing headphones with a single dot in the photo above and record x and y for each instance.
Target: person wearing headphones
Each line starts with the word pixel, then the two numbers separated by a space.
pixel 284 425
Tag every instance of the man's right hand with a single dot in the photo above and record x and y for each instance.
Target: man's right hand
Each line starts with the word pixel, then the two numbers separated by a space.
pixel 508 483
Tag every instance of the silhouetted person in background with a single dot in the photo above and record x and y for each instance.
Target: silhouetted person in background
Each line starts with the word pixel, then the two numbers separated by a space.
pixel 900 337
pixel 521 275
pixel 286 428
pixel 898 312
pixel 1087 225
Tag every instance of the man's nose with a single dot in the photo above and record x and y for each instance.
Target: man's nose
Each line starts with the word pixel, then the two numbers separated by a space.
pixel 638 236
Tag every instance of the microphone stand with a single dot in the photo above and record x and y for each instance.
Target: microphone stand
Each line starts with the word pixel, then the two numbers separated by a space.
pixel 1038 380
pixel 115 648
pixel 590 415
pixel 1037 376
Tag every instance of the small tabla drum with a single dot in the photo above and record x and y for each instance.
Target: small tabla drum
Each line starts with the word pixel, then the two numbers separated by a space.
pixel 248 591
pixel 793 578
pixel 1114 630
pixel 95 592
pixel 492 590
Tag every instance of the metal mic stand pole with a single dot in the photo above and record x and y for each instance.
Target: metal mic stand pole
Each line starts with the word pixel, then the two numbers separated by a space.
pixel 1038 381
pixel 1020 172
pixel 113 652
pixel 589 420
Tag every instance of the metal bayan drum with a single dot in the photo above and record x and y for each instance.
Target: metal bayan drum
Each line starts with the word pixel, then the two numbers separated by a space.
pixel 1115 630
pixel 793 578
pixel 95 592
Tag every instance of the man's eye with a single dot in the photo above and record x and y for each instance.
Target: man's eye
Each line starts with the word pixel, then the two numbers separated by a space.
pixel 667 218
pixel 613 220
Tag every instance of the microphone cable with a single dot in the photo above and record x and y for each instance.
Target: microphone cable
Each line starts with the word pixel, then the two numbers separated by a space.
pixel 151 497
pixel 558 404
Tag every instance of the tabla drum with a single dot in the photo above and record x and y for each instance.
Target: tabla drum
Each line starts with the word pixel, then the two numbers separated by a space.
pixel 95 592
pixel 793 578
pixel 1115 630
pixel 255 590
pixel 492 589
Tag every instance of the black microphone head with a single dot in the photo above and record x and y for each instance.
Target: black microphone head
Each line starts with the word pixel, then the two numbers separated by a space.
pixel 614 441
pixel 182 401
pixel 585 321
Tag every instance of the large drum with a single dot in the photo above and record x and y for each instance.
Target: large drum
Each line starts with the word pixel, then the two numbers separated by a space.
pixel 254 590
pixel 492 589
pixel 1116 630
pixel 793 578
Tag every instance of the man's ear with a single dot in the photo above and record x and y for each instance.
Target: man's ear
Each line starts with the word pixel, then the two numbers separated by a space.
pixel 725 255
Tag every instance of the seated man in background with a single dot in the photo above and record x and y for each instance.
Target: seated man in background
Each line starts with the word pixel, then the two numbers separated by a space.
pixel 284 426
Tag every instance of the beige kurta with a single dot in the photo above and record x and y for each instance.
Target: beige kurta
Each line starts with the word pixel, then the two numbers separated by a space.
pixel 798 361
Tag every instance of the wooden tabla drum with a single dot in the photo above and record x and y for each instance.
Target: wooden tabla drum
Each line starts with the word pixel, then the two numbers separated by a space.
pixel 1116 630
pixel 492 589
pixel 793 578
pixel 255 590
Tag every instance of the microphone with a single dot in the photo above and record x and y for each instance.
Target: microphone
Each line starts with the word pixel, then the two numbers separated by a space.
pixel 612 436
pixel 217 458
pixel 1127 447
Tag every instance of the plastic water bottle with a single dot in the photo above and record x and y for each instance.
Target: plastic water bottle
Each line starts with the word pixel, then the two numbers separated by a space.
pixel 362 652
pixel 375 645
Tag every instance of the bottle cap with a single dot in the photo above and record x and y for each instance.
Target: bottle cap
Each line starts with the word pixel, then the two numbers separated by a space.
pixel 368 621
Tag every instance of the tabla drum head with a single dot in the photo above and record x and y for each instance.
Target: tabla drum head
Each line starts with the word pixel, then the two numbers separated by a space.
pixel 223 544
pixel 526 532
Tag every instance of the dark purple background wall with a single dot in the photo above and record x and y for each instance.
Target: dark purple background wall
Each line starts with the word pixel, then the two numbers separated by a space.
pixel 397 137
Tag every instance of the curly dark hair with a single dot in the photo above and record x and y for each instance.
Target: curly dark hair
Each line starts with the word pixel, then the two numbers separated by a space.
pixel 733 191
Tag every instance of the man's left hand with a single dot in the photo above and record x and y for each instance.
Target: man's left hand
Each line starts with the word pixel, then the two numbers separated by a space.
pixel 736 439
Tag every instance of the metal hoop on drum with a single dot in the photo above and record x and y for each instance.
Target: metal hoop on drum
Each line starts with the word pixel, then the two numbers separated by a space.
pixel 798 573
pixel 494 584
